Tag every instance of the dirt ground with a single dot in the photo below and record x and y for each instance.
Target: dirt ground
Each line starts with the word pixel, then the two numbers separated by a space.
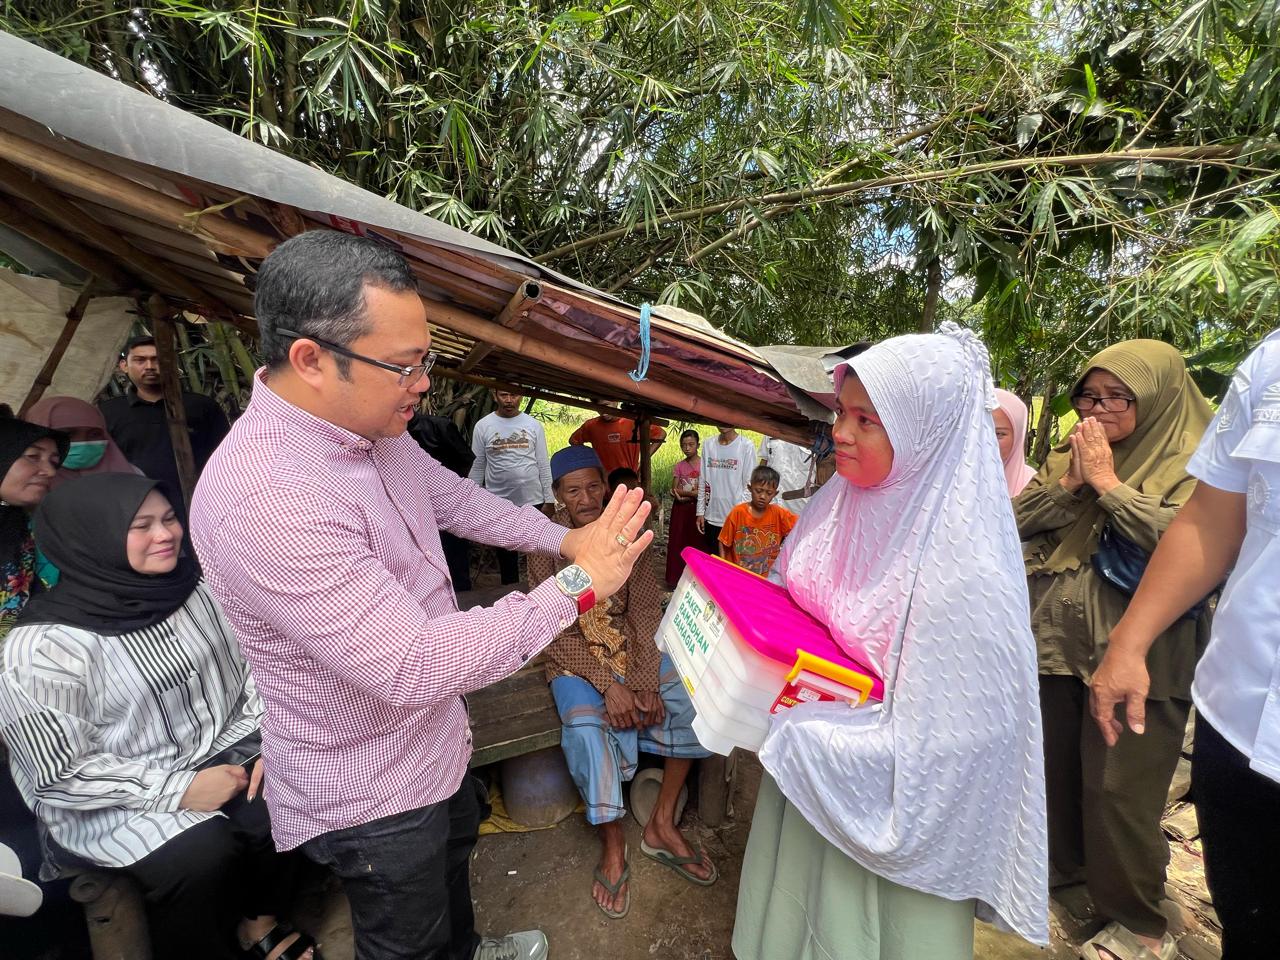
pixel 669 918
pixel 543 879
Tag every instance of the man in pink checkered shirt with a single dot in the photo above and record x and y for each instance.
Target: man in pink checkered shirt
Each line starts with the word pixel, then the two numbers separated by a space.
pixel 317 523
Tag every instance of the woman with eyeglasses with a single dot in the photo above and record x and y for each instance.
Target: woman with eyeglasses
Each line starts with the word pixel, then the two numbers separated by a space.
pixel 1088 520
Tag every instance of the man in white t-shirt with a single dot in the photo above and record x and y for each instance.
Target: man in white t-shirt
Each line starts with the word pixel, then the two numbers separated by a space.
pixel 1232 520
pixel 727 462
pixel 512 463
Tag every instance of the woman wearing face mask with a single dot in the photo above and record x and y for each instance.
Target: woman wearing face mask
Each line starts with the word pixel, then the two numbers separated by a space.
pixel 1122 471
pixel 880 831
pixel 92 450
pixel 132 724
pixel 29 458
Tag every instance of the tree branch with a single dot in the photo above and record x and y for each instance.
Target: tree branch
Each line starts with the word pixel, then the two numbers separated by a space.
pixel 751 223
pixel 1220 154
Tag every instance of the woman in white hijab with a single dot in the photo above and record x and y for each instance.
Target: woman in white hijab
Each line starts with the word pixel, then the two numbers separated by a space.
pixel 880 831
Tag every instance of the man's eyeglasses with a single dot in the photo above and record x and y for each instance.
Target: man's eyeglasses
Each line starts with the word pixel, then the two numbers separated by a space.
pixel 409 375
pixel 1086 402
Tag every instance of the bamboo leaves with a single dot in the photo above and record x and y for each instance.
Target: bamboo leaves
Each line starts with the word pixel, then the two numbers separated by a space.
pixel 1073 172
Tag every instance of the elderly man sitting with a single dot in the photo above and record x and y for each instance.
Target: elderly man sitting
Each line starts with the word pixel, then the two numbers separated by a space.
pixel 617 695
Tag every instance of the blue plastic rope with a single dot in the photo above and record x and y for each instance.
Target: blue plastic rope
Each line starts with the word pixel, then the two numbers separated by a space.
pixel 641 372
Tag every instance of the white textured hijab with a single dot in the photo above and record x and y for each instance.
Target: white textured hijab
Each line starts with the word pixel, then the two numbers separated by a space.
pixel 941 788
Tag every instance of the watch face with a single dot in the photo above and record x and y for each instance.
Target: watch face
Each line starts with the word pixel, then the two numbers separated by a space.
pixel 574 580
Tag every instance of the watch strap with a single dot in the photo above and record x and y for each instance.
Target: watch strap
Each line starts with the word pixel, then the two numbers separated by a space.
pixel 586 600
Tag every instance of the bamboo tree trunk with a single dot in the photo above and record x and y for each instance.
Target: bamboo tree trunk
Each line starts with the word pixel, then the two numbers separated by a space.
pixel 933 291
pixel 1044 424
pixel 175 408
pixel 289 89
pixel 190 365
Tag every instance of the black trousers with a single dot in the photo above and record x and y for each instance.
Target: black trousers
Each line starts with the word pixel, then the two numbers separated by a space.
pixel 1105 804
pixel 508 565
pixel 199 884
pixel 57 928
pixel 457 553
pixel 1239 813
pixel 713 537
pixel 408 879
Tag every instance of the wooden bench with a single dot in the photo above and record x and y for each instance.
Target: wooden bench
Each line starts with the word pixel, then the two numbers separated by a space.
pixel 517 715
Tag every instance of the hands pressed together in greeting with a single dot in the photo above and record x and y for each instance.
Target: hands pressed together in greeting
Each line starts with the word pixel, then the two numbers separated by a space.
pixel 1091 460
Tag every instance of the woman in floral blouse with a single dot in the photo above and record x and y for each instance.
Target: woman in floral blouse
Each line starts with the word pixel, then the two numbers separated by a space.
pixel 29 458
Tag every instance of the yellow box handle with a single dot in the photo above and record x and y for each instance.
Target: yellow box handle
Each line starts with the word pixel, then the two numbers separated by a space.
pixel 832 671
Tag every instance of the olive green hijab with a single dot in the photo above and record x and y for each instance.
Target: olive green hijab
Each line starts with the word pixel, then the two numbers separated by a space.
pixel 1172 416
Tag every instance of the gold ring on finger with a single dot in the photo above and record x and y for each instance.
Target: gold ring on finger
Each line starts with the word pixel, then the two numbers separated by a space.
pixel 622 541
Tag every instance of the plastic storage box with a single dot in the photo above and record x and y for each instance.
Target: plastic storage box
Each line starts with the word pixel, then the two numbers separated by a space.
pixel 746 650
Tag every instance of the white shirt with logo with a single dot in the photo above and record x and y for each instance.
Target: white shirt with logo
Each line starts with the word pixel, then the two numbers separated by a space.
pixel 511 459
pixel 726 471
pixel 1237 684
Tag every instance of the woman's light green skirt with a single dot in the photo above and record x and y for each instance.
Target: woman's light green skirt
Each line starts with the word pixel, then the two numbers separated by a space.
pixel 802 899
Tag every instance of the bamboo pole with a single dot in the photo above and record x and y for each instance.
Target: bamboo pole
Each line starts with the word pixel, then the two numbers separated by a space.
pixel 646 452
pixel 561 357
pixel 162 327
pixel 68 216
pixel 50 237
pixel 45 377
pixel 66 170
pixel 511 316
pixel 449 373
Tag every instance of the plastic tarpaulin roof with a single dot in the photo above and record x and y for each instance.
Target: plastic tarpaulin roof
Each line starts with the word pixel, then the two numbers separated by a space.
pixel 196 207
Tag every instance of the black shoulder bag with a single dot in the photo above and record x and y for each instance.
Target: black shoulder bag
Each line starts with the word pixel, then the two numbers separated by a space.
pixel 1121 562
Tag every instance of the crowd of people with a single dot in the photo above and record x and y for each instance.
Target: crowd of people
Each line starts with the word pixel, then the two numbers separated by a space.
pixel 213 701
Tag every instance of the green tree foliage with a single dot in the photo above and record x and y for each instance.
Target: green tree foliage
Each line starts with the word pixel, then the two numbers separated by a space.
pixel 1061 175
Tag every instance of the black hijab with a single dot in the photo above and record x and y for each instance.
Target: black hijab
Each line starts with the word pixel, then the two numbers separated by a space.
pixel 16 437
pixel 82 527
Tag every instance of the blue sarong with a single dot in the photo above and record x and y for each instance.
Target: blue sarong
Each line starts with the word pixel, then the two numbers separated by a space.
pixel 600 758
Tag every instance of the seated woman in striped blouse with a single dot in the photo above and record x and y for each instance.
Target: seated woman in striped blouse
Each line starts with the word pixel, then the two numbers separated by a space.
pixel 132 725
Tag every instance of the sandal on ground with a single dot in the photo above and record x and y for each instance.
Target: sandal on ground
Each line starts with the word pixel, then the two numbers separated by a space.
pixel 1122 944
pixel 278 935
pixel 681 864
pixel 613 889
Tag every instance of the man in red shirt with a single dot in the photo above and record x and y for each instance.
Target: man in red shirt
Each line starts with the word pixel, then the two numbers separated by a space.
pixel 613 438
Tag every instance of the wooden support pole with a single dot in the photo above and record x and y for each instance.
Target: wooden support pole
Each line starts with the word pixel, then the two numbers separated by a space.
pixel 109 275
pixel 449 373
pixel 45 376
pixel 646 454
pixel 64 169
pixel 699 408
pixel 68 216
pixel 511 316
pixel 171 383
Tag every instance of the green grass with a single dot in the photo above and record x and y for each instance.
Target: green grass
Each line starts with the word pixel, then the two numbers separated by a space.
pixel 664 460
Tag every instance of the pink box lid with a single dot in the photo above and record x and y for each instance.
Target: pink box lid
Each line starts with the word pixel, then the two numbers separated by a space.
pixel 767 617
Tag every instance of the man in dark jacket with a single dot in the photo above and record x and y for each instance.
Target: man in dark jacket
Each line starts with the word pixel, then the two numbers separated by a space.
pixel 138 424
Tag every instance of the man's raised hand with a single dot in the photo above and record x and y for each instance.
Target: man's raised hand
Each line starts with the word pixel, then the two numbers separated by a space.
pixel 607 548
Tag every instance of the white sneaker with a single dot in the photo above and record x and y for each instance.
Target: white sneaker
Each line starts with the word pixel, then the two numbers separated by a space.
pixel 525 945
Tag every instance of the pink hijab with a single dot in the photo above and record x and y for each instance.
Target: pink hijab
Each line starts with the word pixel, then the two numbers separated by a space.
pixel 67 413
pixel 1017 474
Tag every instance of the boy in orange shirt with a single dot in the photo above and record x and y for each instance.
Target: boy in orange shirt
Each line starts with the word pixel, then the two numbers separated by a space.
pixel 753 532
